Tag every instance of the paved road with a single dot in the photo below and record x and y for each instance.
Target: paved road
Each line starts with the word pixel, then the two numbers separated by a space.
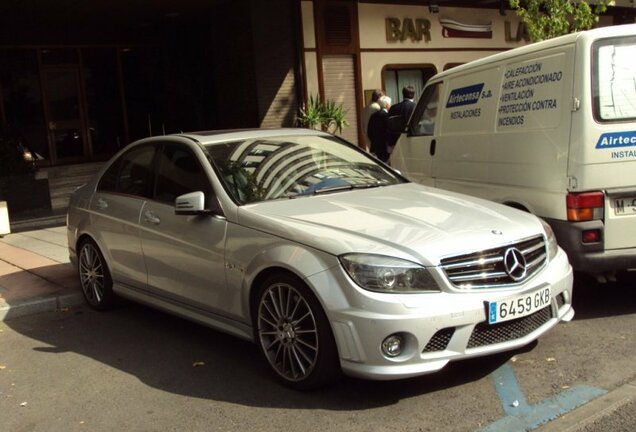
pixel 141 370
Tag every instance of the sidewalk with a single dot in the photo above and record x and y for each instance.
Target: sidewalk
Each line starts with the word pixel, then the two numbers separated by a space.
pixel 35 273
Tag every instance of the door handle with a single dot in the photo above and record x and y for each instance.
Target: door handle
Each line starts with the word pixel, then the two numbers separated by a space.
pixel 151 217
pixel 432 149
pixel 101 204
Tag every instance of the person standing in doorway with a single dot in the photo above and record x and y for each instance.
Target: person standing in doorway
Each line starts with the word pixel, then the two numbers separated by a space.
pixel 378 130
pixel 367 112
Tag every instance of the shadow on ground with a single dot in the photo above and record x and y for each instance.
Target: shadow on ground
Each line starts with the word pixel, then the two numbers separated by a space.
pixel 593 299
pixel 162 350
pixel 20 288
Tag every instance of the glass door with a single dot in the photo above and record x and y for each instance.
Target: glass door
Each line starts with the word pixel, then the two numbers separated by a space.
pixel 64 112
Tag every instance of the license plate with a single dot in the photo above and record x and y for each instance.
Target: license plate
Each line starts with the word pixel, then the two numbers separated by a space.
pixel 625 206
pixel 518 306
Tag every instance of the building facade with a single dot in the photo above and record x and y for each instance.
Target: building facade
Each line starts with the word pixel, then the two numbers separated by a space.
pixel 80 80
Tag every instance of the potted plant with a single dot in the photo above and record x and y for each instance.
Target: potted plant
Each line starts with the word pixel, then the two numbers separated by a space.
pixel 328 116
pixel 334 117
pixel 310 114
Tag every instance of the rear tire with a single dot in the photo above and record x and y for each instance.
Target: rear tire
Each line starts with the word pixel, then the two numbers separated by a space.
pixel 293 333
pixel 94 276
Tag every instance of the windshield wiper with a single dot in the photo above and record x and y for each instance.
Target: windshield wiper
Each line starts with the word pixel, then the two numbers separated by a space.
pixel 368 185
pixel 329 189
pixel 340 188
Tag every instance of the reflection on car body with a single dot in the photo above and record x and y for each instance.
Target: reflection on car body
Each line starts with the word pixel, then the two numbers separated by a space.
pixel 328 260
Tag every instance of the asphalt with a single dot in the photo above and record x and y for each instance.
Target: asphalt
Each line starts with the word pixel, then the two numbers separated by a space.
pixel 36 276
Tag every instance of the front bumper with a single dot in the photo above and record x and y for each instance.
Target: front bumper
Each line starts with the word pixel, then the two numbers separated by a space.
pixel 437 327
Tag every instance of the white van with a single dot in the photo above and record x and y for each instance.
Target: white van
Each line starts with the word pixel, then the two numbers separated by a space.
pixel 549 128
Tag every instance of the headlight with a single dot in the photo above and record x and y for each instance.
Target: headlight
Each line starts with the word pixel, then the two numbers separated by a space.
pixel 553 247
pixel 387 274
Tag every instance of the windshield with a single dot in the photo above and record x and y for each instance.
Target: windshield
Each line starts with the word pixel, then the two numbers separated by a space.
pixel 272 168
pixel 615 79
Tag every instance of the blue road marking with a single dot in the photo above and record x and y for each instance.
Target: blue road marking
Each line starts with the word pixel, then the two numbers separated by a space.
pixel 520 416
pixel 509 390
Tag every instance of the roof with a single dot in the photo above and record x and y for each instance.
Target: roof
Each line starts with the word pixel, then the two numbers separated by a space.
pixel 213 136
pixel 588 35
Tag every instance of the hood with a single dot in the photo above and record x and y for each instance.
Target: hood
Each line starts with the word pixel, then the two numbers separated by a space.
pixel 409 221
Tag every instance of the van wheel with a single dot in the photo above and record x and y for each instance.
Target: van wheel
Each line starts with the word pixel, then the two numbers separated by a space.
pixel 95 279
pixel 293 333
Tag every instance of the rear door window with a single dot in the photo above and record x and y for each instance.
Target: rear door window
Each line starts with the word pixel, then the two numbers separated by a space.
pixel 614 79
pixel 131 174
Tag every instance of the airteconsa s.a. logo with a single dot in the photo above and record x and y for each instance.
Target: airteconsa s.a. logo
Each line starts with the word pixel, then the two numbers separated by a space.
pixel 617 139
pixel 464 95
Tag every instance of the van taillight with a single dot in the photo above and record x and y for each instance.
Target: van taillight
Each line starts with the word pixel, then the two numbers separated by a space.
pixel 585 206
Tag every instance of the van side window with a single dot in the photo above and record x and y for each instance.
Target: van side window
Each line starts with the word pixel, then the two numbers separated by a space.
pixel 425 115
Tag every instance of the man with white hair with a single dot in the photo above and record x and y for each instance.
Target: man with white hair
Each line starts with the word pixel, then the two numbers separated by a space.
pixel 367 112
pixel 378 130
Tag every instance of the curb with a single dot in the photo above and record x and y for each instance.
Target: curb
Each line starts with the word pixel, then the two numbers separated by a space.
pixel 593 411
pixel 37 223
pixel 39 305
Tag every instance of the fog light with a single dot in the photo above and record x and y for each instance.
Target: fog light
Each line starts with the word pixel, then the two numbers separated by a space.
pixel 392 346
pixel 591 236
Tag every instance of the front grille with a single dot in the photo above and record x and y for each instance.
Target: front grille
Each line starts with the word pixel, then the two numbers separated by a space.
pixel 440 340
pixel 486 334
pixel 487 269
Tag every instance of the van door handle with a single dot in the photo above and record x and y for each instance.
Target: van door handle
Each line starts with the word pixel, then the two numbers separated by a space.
pixel 101 204
pixel 151 217
pixel 432 149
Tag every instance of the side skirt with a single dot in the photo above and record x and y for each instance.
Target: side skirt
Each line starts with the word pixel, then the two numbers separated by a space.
pixel 186 311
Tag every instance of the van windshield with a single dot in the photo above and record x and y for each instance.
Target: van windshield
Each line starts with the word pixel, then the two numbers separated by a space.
pixel 614 79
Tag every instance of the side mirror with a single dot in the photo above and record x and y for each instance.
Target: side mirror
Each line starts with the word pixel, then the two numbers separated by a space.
pixel 192 203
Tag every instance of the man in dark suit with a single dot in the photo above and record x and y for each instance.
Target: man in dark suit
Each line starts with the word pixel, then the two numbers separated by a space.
pixel 403 110
pixel 378 131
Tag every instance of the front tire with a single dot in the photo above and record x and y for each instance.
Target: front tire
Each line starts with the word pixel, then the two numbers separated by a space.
pixel 294 335
pixel 95 279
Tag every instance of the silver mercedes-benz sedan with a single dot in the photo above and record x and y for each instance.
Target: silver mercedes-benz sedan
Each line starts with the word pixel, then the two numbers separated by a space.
pixel 327 259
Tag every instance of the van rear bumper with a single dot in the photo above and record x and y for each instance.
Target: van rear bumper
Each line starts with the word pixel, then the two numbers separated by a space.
pixel 591 258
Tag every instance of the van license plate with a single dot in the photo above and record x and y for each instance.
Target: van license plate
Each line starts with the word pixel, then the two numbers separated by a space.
pixel 625 206
pixel 517 307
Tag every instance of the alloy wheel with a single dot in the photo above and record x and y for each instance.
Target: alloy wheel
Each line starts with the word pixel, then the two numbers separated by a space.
pixel 92 275
pixel 288 332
